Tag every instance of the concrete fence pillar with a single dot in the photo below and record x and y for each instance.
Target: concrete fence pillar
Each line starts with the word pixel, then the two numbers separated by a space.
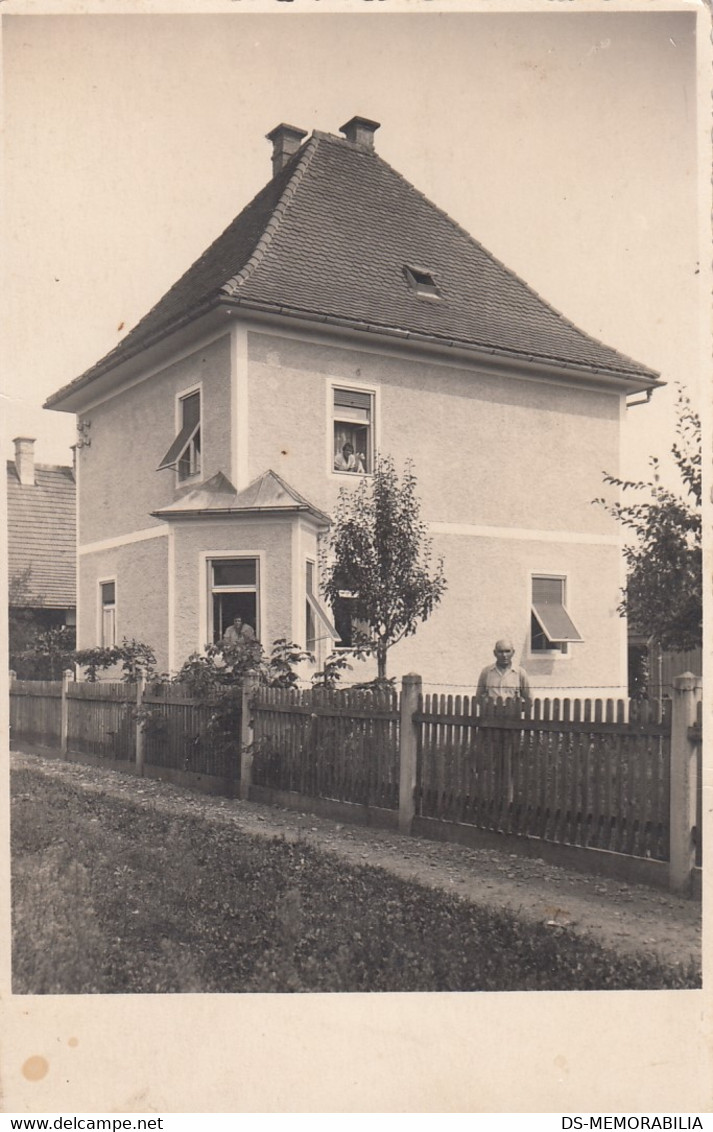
pixel 140 736
pixel 408 750
pixel 250 683
pixel 684 782
pixel 67 675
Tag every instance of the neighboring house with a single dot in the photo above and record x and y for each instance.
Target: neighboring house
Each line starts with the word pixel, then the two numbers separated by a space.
pixel 42 546
pixel 341 306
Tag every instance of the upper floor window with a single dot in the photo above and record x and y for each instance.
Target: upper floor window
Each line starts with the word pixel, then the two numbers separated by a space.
pixel 353 420
pixel 551 627
pixel 107 593
pixel 185 452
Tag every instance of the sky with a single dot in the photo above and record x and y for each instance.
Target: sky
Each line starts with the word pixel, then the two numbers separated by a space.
pixel 564 141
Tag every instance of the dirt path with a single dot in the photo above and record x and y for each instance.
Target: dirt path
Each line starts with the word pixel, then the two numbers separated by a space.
pixel 627 917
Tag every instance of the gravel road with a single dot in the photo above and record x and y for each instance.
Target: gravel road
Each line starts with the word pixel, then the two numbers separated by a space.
pixel 626 917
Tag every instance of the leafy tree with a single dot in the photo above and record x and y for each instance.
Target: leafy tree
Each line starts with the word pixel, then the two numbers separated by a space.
pixel 134 657
pixel 664 589
pixel 378 551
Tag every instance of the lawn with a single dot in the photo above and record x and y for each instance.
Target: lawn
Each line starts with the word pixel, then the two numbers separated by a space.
pixel 112 897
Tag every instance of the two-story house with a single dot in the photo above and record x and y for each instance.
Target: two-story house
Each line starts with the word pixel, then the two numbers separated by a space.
pixel 343 314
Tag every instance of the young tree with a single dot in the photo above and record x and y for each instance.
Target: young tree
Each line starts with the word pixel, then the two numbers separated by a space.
pixel 664 588
pixel 378 551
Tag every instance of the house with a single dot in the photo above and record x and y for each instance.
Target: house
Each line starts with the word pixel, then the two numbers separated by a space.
pixel 42 546
pixel 341 307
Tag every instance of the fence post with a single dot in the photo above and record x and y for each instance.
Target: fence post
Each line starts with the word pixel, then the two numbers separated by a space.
pixel 682 816
pixel 140 738
pixel 408 750
pixel 67 675
pixel 246 736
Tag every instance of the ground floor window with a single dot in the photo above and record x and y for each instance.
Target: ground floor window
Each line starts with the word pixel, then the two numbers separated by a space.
pixel 107 592
pixel 349 628
pixel 551 627
pixel 234 589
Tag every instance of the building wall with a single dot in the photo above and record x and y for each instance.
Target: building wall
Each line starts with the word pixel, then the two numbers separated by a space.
pixel 504 467
pixel 141 571
pixel 269 539
pixel 131 433
pixel 487 449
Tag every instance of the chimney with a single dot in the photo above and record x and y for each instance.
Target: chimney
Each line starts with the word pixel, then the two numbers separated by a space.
pixel 360 131
pixel 25 460
pixel 286 140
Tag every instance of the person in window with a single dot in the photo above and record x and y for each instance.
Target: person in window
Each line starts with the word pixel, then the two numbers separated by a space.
pixel 503 680
pixel 239 633
pixel 349 461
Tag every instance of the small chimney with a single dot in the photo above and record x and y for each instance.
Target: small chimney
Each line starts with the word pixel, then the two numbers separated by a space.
pixel 360 131
pixel 286 140
pixel 25 460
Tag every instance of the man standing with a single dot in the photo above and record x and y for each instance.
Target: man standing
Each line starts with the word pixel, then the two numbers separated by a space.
pixel 503 680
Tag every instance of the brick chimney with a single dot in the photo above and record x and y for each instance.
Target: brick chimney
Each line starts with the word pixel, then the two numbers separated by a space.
pixel 25 460
pixel 286 140
pixel 360 131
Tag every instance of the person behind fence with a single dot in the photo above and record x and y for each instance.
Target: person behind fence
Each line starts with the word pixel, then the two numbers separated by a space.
pixel 504 680
pixel 239 633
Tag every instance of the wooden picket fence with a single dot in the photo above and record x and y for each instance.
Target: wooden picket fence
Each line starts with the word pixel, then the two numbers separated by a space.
pixel 112 721
pixel 341 745
pixel 586 773
pixel 620 779
pixel 36 711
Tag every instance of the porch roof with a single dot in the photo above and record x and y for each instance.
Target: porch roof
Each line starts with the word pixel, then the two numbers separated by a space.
pixel 217 496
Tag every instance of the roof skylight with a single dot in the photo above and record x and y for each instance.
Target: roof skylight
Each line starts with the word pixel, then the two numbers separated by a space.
pixel 422 282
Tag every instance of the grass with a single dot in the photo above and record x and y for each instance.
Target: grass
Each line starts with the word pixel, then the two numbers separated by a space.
pixel 113 897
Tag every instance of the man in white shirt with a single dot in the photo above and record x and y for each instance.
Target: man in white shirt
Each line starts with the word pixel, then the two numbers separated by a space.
pixel 503 680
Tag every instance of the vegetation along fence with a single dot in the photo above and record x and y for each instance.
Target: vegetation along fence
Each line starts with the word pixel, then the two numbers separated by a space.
pixel 157 730
pixel 594 783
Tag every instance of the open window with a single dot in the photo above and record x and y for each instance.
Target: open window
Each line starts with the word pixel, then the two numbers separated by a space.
pixel 353 422
pixel 318 626
pixel 348 626
pixel 233 592
pixel 107 600
pixel 422 282
pixel 552 629
pixel 185 453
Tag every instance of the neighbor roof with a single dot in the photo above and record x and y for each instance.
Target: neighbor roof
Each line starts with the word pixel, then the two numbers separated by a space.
pixel 330 239
pixel 42 538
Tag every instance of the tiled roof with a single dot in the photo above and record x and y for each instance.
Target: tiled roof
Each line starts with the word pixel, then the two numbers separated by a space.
pixel 217 496
pixel 42 538
pixel 328 239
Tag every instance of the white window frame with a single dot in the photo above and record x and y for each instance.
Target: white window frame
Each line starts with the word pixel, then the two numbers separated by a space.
pixel 206 590
pixel 101 607
pixel 194 477
pixel 374 392
pixel 554 653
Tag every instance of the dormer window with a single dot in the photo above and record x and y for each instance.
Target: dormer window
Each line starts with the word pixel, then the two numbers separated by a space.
pixel 422 282
pixel 185 452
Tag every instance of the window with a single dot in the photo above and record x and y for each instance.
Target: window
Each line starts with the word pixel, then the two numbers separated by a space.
pixel 107 592
pixel 422 283
pixel 353 420
pixel 310 613
pixel 233 593
pixel 551 627
pixel 185 452
pixel 346 624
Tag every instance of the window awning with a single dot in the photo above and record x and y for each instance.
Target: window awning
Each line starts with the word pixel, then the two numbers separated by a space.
pixel 557 625
pixel 322 616
pixel 179 446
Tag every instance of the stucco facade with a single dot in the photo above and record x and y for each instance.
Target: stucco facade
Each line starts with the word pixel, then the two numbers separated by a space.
pixel 480 441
